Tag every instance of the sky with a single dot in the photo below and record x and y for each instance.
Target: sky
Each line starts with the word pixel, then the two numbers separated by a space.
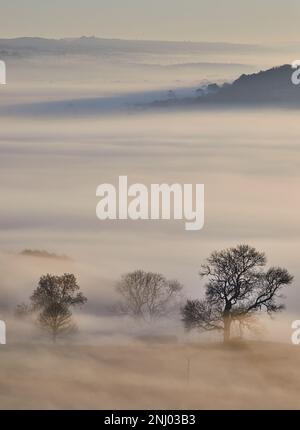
pixel 255 21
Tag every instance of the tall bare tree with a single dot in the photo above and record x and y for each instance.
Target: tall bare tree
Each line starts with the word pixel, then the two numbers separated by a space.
pixel 146 295
pixel 236 290
pixel 53 299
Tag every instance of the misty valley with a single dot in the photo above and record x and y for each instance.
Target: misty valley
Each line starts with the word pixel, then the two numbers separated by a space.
pixel 115 294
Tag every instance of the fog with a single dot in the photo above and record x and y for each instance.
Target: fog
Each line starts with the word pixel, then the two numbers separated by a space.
pixel 50 170
pixel 150 377
pixel 50 166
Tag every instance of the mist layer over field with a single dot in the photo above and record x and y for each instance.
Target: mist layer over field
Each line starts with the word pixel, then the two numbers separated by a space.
pixel 151 376
pixel 248 162
pixel 50 166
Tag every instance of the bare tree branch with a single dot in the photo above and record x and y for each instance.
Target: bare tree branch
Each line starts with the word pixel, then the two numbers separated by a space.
pixel 237 288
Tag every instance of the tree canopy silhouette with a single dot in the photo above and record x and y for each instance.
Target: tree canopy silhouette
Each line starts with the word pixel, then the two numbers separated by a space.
pixel 146 295
pixel 53 299
pixel 237 289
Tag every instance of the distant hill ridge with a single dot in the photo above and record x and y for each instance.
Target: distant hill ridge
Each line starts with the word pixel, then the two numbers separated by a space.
pixel 272 87
pixel 96 45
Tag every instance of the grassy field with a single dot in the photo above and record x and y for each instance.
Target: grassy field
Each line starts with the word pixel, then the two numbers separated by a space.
pixel 252 375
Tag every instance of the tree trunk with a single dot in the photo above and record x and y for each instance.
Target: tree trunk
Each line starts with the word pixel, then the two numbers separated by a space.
pixel 54 336
pixel 227 325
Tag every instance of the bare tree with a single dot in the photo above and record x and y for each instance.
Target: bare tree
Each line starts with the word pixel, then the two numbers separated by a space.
pixel 53 299
pixel 236 290
pixel 147 295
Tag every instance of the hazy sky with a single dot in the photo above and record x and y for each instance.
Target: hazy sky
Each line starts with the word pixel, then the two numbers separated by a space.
pixel 255 21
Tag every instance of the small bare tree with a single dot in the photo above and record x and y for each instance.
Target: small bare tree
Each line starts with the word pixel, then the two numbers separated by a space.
pixel 147 295
pixel 53 299
pixel 237 289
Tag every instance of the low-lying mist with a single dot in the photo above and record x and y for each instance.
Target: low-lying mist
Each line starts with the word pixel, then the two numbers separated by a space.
pixel 50 167
pixel 50 171
pixel 150 376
